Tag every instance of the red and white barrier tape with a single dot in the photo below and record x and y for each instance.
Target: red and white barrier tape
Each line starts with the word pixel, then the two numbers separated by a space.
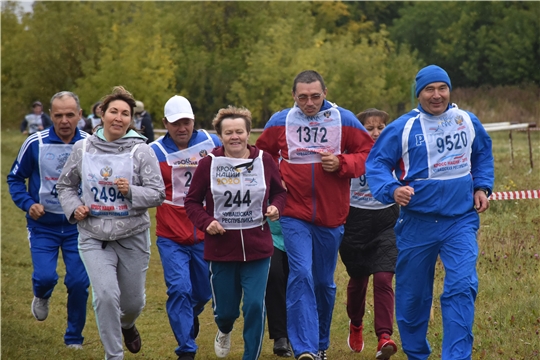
pixel 515 195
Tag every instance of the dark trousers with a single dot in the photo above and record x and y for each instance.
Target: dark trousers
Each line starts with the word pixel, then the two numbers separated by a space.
pixel 383 297
pixel 276 307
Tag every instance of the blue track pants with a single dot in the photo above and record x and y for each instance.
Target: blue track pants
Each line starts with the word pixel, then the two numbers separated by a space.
pixel 420 239
pixel 45 245
pixel 188 288
pixel 311 291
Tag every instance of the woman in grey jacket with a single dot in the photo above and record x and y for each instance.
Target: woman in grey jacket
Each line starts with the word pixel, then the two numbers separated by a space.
pixel 120 179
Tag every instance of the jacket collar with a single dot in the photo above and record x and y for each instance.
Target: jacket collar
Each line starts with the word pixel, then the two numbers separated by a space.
pixel 171 145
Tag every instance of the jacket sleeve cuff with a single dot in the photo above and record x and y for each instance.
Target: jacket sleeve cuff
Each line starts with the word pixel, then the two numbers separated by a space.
pixel 485 190
pixel 393 188
pixel 27 205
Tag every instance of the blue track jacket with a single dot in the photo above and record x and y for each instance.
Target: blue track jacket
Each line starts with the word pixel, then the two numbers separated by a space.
pixel 26 166
pixel 443 166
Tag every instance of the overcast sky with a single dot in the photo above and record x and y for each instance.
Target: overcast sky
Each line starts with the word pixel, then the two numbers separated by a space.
pixel 27 5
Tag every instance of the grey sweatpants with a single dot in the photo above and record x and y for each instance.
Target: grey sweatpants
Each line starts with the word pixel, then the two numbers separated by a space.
pixel 118 275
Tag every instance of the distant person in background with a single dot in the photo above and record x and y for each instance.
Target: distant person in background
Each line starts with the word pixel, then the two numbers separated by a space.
pixel 143 121
pixel 120 179
pixel 36 121
pixel 82 124
pixel 180 243
pixel 444 173
pixel 95 116
pixel 39 163
pixel 369 248
pixel 276 306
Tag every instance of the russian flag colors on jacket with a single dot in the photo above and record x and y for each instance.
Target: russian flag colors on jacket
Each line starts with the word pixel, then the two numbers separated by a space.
pixel 173 222
pixel 307 183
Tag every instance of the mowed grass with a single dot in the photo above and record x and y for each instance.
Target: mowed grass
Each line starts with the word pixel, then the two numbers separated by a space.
pixel 508 305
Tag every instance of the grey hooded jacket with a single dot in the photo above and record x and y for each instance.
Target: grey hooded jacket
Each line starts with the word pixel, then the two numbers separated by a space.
pixel 146 187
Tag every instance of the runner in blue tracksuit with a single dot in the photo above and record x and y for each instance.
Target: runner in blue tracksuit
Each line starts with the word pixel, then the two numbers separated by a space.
pixel 180 243
pixel 40 160
pixel 444 166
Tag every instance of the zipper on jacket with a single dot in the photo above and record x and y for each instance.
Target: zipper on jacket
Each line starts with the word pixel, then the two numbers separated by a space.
pixel 243 248
pixel 313 195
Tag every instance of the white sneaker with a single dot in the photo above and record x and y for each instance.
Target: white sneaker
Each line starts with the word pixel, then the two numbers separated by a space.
pixel 40 308
pixel 75 346
pixel 222 345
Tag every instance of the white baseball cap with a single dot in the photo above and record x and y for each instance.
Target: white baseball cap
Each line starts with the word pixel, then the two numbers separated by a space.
pixel 178 107
pixel 139 107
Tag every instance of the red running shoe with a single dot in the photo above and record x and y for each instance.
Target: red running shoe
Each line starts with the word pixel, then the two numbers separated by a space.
pixel 386 348
pixel 355 339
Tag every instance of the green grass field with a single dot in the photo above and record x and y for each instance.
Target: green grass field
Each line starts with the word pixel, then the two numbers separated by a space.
pixel 507 322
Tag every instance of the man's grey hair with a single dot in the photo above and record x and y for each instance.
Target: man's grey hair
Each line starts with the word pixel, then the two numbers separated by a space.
pixel 61 94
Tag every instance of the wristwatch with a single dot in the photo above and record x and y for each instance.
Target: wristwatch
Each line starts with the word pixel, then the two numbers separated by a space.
pixel 486 191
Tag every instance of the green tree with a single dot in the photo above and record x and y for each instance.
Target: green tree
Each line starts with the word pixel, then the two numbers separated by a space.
pixel 85 47
pixel 356 68
pixel 265 84
pixel 134 52
pixel 43 53
pixel 214 53
pixel 519 36
pixel 494 43
pixel 341 17
pixel 421 24
pixel 215 40
pixel 12 48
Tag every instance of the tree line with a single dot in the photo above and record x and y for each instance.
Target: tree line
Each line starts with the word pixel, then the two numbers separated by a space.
pixel 247 53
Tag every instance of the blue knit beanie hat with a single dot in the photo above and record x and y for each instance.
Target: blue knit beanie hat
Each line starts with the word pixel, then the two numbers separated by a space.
pixel 431 74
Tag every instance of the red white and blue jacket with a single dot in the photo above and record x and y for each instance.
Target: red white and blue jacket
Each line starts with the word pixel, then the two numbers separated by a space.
pixel 313 194
pixel 172 221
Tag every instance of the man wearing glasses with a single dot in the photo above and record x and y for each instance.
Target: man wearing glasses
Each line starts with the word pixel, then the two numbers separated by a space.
pixel 322 147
